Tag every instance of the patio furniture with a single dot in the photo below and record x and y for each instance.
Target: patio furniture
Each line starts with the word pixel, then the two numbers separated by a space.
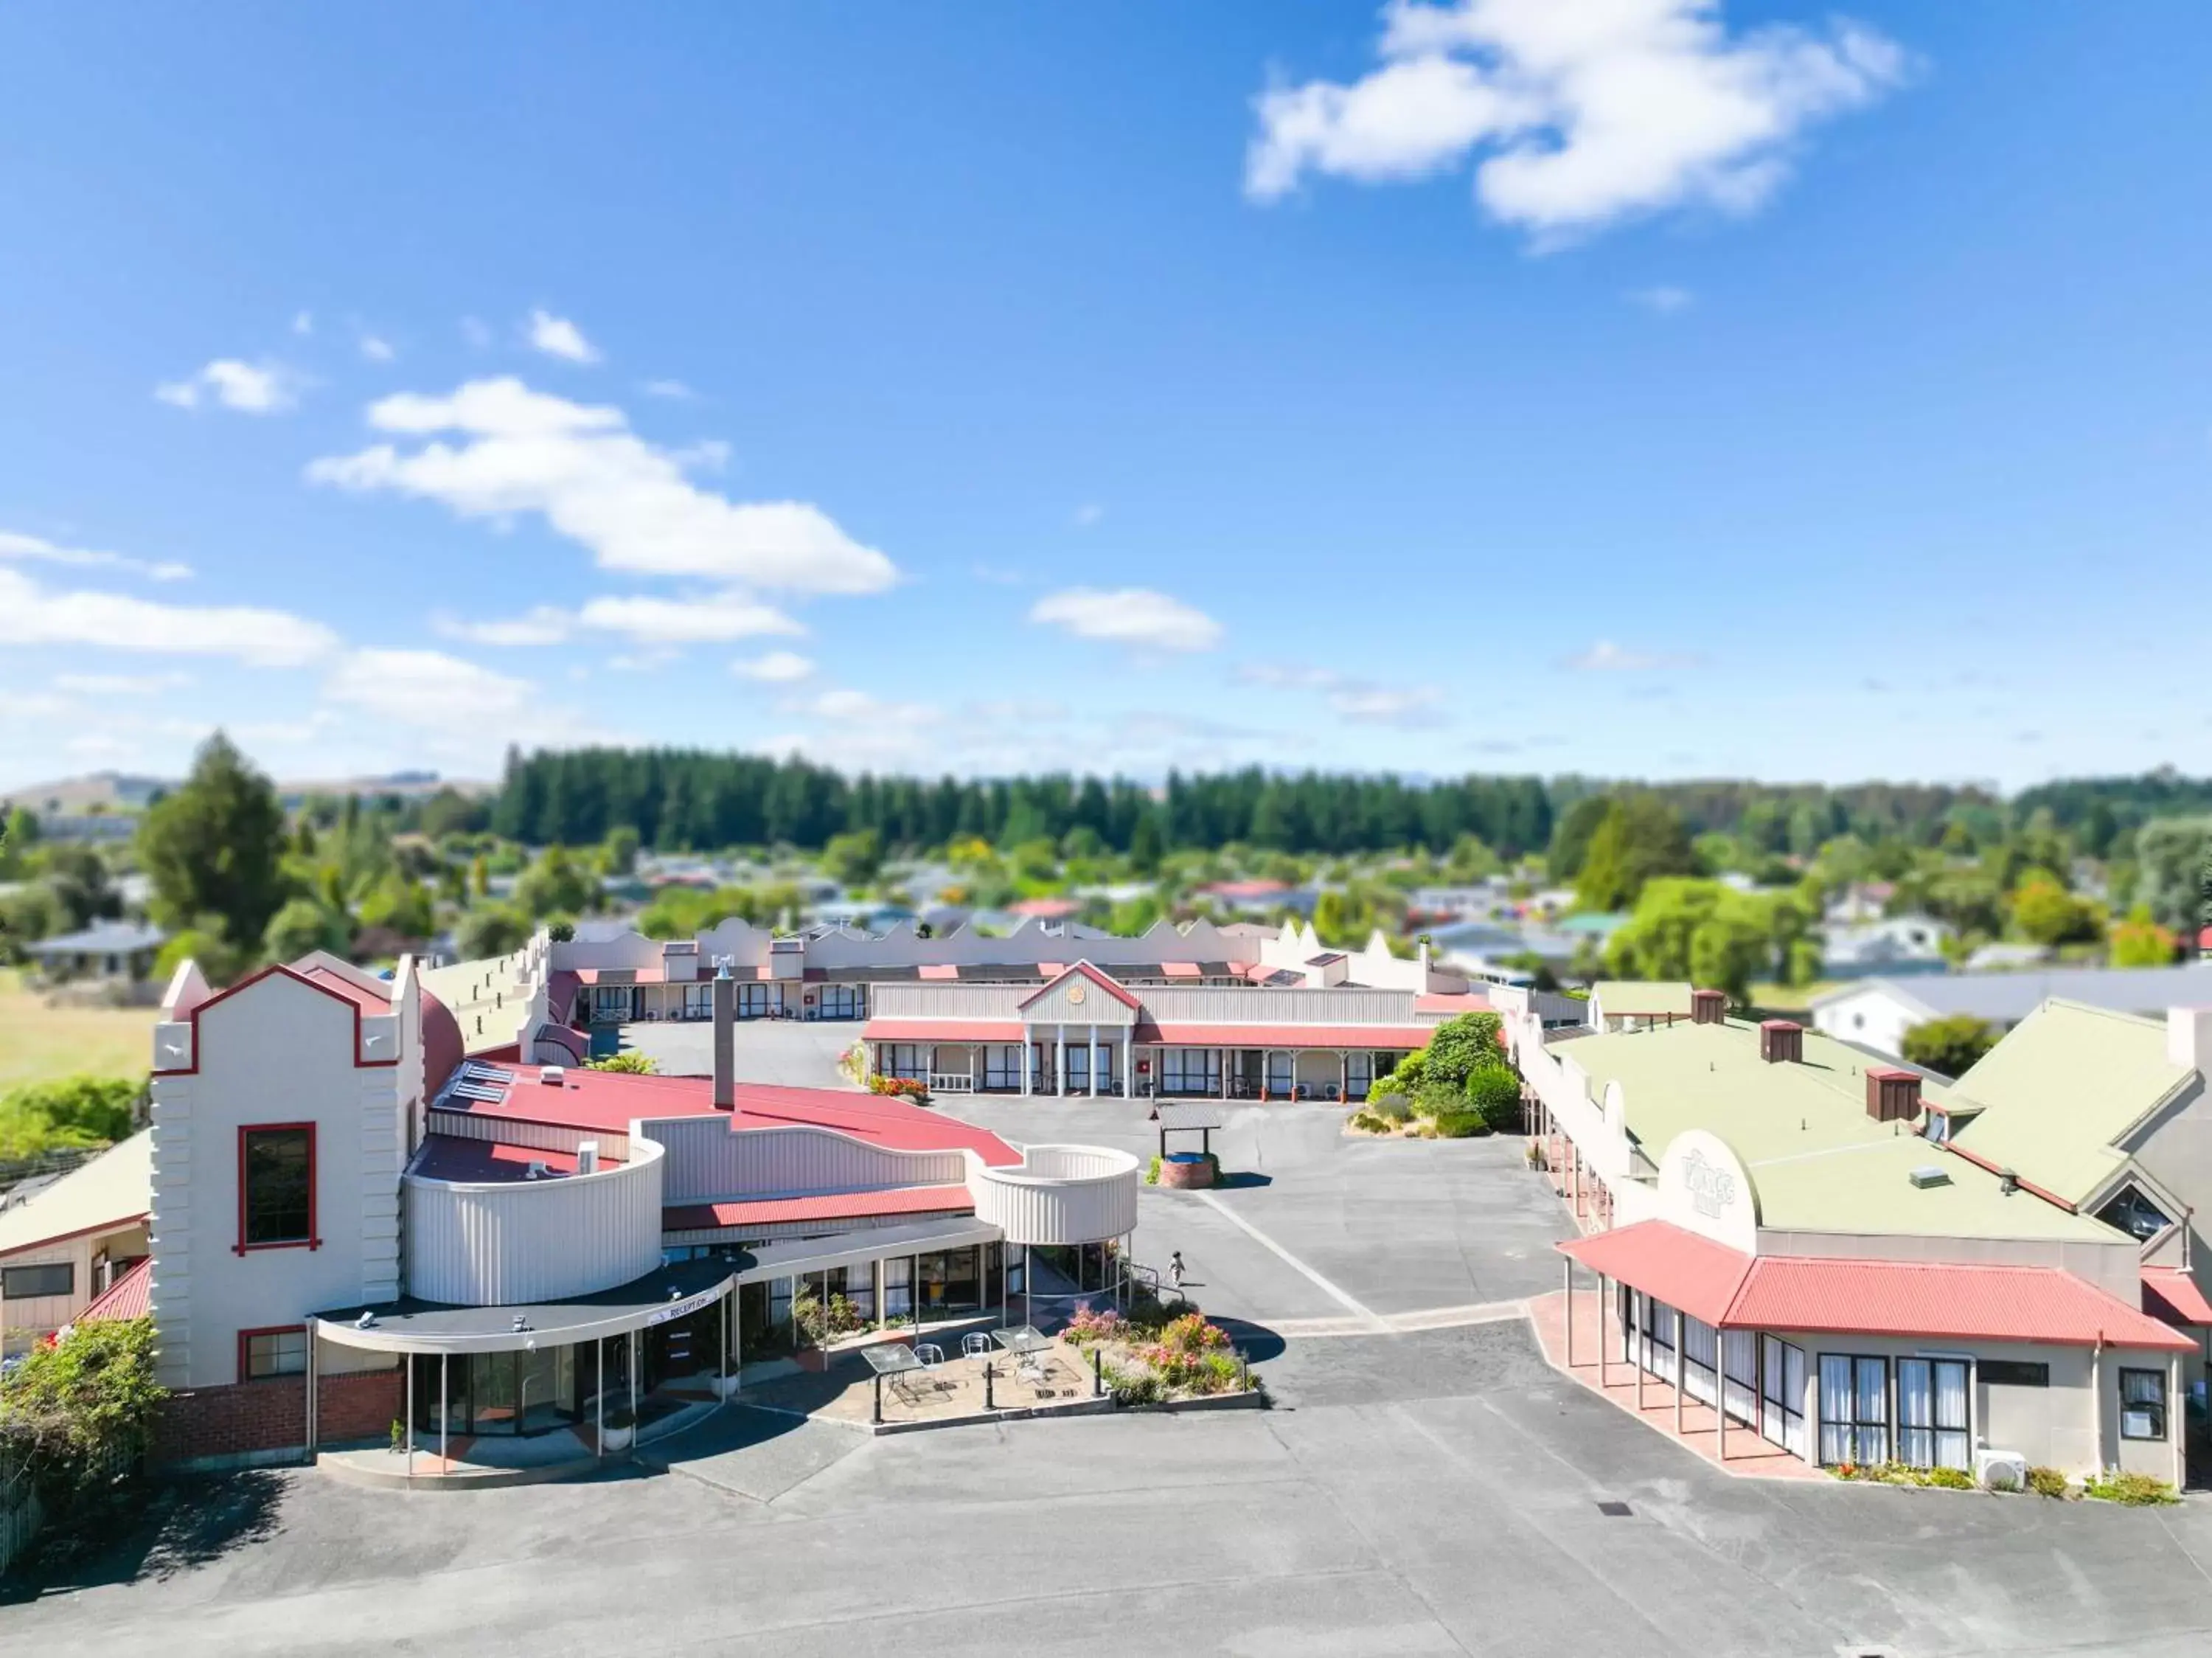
pixel 895 1361
pixel 975 1344
pixel 929 1354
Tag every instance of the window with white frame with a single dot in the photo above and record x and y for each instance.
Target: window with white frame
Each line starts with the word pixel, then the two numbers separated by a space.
pixel 753 1000
pixel 909 1060
pixel 842 1002
pixel 698 1000
pixel 2143 1404
pixel 1190 1071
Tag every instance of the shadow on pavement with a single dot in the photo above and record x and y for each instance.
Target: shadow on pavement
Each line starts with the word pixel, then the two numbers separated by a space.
pixel 150 1530
pixel 1256 1342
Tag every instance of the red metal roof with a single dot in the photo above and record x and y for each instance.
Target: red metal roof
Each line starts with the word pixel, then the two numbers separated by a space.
pixel 450 1157
pixel 374 1004
pixel 1680 1268
pixel 1440 1002
pixel 1944 1299
pixel 608 1101
pixel 2171 1294
pixel 1045 909
pixel 937 970
pixel 1100 979
pixel 820 1206
pixel 1179 1035
pixel 1181 970
pixel 130 1296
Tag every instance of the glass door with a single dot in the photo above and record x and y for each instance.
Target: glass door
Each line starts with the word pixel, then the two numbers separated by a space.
pixel 1782 1394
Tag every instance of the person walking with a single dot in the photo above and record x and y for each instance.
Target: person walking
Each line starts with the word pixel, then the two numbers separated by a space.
pixel 1175 1271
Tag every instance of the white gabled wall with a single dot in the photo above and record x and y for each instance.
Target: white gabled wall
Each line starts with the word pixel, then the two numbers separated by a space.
pixel 276 1050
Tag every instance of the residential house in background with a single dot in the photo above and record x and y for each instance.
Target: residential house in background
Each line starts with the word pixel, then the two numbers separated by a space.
pixel 1910 943
pixel 1876 1012
pixel 111 953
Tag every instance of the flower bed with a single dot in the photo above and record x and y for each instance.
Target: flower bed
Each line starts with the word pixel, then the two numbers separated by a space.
pixel 1146 1362
pixel 1897 1473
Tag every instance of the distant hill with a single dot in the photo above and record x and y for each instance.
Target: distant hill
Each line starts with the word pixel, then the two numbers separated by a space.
pixel 121 792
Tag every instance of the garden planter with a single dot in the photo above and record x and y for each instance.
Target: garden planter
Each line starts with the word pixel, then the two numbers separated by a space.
pixel 1187 1170
pixel 727 1386
pixel 617 1439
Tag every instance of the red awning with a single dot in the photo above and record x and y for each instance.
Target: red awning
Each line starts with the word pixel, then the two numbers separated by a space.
pixel 1939 1299
pixel 1680 1268
pixel 2171 1294
pixel 942 1030
pixel 1181 970
pixel 938 970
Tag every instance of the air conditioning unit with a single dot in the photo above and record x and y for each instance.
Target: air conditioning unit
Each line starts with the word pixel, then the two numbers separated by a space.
pixel 552 1076
pixel 2000 1471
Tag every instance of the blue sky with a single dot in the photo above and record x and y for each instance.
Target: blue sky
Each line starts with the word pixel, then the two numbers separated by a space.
pixel 1640 388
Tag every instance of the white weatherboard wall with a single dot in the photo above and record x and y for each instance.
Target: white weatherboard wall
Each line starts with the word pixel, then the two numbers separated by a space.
pixel 1871 1016
pixel 707 1163
pixel 1059 1195
pixel 501 1243
pixel 276 1050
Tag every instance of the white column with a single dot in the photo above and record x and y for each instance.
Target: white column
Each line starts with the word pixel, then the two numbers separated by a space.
pixel 1604 1346
pixel 1129 1064
pixel 2177 1421
pixel 1028 1055
pixel 599 1397
pixel 1636 1302
pixel 1094 1062
pixel 444 1404
pixel 408 1359
pixel 1681 1372
pixel 1812 1412
pixel 1567 1273
pixel 1720 1399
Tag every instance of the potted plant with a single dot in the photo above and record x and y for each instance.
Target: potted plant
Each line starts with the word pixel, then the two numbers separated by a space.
pixel 618 1430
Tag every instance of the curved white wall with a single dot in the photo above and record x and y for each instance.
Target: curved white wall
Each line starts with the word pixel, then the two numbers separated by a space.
pixel 1059 1195
pixel 508 1243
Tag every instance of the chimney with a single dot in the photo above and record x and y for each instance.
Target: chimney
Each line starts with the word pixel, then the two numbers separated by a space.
pixel 587 1156
pixel 1782 1042
pixel 1893 1096
pixel 2189 1037
pixel 1709 1006
pixel 725 1032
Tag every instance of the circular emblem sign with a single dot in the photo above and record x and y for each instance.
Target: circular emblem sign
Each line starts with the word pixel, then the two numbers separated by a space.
pixel 1075 994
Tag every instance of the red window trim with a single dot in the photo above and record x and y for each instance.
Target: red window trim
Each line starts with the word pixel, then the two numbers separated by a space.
pixel 245 1366
pixel 314 1238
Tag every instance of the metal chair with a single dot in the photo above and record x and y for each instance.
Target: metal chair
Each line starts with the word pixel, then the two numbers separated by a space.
pixel 975 1344
pixel 930 1355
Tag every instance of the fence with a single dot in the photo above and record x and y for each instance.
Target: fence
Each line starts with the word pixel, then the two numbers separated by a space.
pixel 19 1517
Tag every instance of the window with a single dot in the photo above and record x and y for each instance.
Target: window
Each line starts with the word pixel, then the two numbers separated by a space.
pixel 2142 1404
pixel 699 1001
pixel 277 1187
pixel 909 1060
pixel 265 1353
pixel 1002 1065
pixel 2014 1373
pixel 843 1002
pixel 752 1000
pixel 2134 1214
pixel 1931 1413
pixel 1854 1409
pixel 20 1284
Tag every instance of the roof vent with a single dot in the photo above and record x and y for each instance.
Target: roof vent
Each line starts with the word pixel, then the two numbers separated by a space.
pixel 1709 1006
pixel 1782 1041
pixel 552 1076
pixel 1893 1095
pixel 1927 1175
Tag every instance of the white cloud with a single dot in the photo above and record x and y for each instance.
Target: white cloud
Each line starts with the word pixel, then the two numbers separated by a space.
pixel 1606 657
pixel 1584 114
pixel 674 390
pixel 1131 616
pixel 34 615
pixel 427 688
pixel 121 685
pixel 1359 702
pixel 376 348
pixel 248 387
pixel 844 706
pixel 37 550
pixel 558 337
pixel 303 322
pixel 1663 300
pixel 777 667
pixel 543 625
pixel 713 617
pixel 599 485
pixel 1089 515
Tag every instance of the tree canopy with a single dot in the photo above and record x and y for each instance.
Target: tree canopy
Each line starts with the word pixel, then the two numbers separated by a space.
pixel 216 847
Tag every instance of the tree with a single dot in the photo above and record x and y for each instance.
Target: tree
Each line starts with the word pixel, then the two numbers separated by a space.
pixel 70 1111
pixel 216 847
pixel 399 905
pixel 1463 1045
pixel 302 927
pixel 2047 914
pixel 631 1063
pixel 28 914
pixel 1705 932
pixel 1949 1046
pixel 618 856
pixel 556 882
pixel 204 946
pixel 2171 857
pixel 2139 941
pixel 853 860
pixel 1147 844
pixel 1493 1091
pixel 1570 839
pixel 1637 839
pixel 77 877
pixel 490 930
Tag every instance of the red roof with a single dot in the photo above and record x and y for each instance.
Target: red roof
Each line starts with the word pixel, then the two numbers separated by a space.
pixel 937 970
pixel 1440 1002
pixel 450 1157
pixel 1045 909
pixel 1181 970
pixel 1244 889
pixel 608 1101
pixel 1285 1036
pixel 2171 1294
pixel 374 1004
pixel 942 1030
pixel 130 1296
pixel 1949 1300
pixel 819 1206
pixel 1089 972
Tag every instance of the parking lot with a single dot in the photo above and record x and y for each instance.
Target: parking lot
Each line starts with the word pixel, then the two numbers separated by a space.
pixel 1426 1484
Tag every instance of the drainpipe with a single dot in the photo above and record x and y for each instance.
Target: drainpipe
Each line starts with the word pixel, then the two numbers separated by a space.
pixel 726 1057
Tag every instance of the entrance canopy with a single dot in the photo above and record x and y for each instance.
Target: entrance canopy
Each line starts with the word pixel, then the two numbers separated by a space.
pixel 795 1257
pixel 408 1325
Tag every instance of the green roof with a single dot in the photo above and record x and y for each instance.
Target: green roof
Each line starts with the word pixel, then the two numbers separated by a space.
pixel 1640 995
pixel 2064 1086
pixel 1820 1162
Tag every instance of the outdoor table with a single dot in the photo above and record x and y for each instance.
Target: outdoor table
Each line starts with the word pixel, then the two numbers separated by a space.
pixel 894 1359
pixel 1029 1346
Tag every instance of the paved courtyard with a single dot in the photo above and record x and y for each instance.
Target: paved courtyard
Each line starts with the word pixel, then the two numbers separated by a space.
pixel 1426 1484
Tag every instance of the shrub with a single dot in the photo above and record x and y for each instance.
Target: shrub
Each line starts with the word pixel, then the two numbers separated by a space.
pixel 900 1088
pixel 1192 1334
pixel 632 1064
pixel 2137 1490
pixel 1493 1093
pixel 1950 1479
pixel 1462 1044
pixel 69 1113
pixel 1087 1326
pixel 1460 1125
pixel 1413 1070
pixel 2047 1482
pixel 76 1411
pixel 1152 1171
pixel 1391 1108
pixel 1141 1385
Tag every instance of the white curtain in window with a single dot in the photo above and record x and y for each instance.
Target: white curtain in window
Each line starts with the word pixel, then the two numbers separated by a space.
pixel 1915 1414
pixel 1954 1442
pixel 1835 1408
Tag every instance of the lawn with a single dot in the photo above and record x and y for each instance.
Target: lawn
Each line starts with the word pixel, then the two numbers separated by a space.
pixel 1789 1000
pixel 38 1043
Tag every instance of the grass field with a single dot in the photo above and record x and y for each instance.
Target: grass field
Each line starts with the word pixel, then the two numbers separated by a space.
pixel 38 1043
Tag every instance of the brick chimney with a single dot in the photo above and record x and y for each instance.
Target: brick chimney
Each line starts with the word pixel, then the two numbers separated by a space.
pixel 725 1039
pixel 1782 1041
pixel 1893 1096
pixel 1709 1006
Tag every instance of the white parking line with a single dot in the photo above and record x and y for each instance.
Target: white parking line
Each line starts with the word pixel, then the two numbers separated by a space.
pixel 1371 1320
